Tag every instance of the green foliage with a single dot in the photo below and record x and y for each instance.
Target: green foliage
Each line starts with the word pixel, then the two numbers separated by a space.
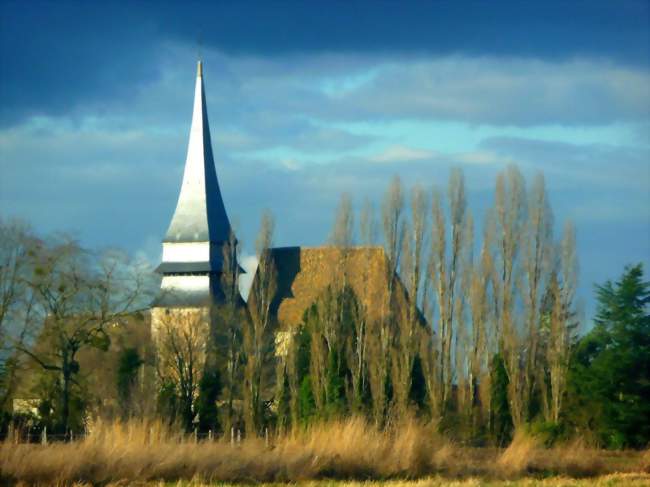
pixel 306 402
pixel 206 403
pixel 284 403
pixel 129 362
pixel 609 381
pixel 335 385
pixel 167 402
pixel 501 427
pixel 303 343
pixel 50 410
pixel 99 340
pixel 418 392
pixel 548 432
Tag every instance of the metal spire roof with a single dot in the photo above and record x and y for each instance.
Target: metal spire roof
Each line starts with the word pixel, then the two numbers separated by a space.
pixel 200 214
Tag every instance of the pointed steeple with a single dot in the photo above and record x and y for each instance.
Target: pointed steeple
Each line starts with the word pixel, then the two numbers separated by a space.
pixel 200 214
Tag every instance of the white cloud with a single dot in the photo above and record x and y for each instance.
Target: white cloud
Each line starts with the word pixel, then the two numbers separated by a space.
pixel 398 153
pixel 290 164
pixel 482 157
pixel 114 176
pixel 495 91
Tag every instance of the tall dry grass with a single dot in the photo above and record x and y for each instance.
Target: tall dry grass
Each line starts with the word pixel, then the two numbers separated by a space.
pixel 525 455
pixel 645 461
pixel 350 449
pixel 612 480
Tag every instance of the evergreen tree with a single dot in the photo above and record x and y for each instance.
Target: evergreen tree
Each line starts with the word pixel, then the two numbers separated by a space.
pixel 206 402
pixel 306 402
pixel 335 384
pixel 500 418
pixel 129 363
pixel 610 374
pixel 167 402
pixel 284 403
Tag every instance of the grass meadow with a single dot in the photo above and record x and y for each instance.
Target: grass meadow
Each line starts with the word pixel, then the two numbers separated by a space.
pixel 344 453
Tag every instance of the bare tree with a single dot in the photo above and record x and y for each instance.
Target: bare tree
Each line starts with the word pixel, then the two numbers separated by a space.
pixel 536 259
pixel 228 317
pixel 561 326
pixel 342 235
pixel 408 330
pixel 446 269
pixel 367 224
pixel 479 347
pixel 358 354
pixel 79 298
pixel 337 335
pixel 380 336
pixel 470 330
pixel 509 221
pixel 182 337
pixel 18 313
pixel 437 269
pixel 392 213
pixel 258 332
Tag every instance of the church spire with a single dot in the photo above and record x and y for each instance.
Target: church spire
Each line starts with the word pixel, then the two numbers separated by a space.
pixel 200 214
pixel 199 235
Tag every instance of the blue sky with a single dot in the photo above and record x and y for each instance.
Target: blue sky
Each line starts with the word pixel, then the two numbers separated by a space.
pixel 309 99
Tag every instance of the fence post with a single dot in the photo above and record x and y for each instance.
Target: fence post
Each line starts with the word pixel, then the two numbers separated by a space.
pixel 210 435
pixel 232 436
pixel 266 436
pixel 44 436
pixel 238 436
pixel 196 435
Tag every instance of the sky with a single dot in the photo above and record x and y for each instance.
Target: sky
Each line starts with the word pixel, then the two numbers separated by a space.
pixel 309 99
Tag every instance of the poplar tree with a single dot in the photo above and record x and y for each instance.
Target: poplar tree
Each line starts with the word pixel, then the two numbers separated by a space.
pixel 258 331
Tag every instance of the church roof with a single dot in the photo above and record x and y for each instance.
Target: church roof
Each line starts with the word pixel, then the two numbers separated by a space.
pixel 303 274
pixel 200 214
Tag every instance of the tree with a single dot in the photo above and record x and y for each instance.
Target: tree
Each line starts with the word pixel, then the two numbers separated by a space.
pixel 380 334
pixel 478 348
pixel 296 368
pixel 508 220
pixel 408 331
pixel 206 402
pixel 358 354
pixel 610 371
pixel 562 326
pixel 537 263
pixel 258 332
pixel 501 419
pixel 181 341
pixel 18 310
pixel 79 298
pixel 343 335
pixel 129 363
pixel 227 321
pixel 446 268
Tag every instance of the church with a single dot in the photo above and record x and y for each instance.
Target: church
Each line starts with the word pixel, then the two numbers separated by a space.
pixel 198 322
pixel 199 252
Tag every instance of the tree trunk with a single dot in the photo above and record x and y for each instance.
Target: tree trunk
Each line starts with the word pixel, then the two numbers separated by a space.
pixel 66 372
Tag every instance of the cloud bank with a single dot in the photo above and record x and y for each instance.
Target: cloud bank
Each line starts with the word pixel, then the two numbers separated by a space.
pixel 293 131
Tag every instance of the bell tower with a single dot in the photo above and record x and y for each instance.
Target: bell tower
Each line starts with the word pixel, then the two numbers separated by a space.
pixel 199 245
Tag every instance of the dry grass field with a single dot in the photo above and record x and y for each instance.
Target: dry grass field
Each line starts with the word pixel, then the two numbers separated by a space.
pixel 613 480
pixel 347 453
